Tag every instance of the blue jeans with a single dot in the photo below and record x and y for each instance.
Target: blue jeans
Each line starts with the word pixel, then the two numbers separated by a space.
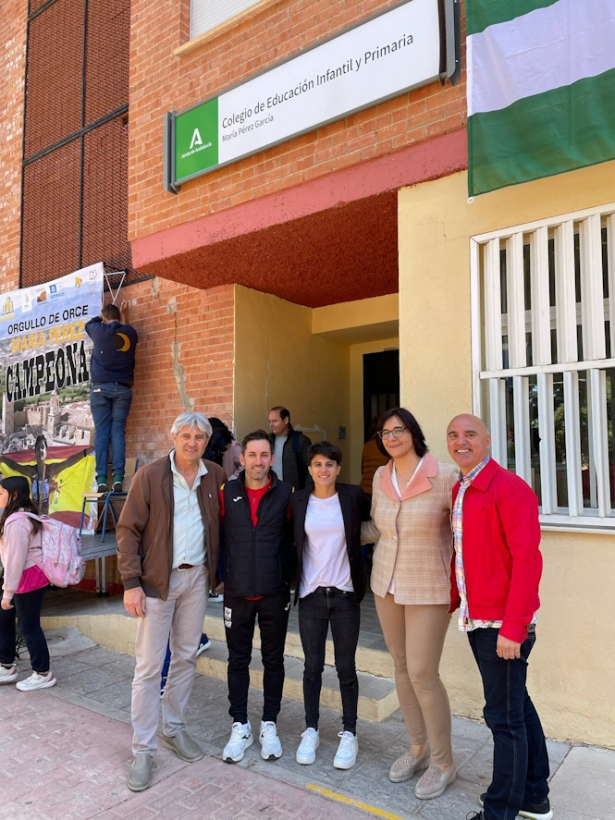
pixel 520 761
pixel 110 404
pixel 324 606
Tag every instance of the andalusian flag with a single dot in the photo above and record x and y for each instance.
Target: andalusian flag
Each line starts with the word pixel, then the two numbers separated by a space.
pixel 541 88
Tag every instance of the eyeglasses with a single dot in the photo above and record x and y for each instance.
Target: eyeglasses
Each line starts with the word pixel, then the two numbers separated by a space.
pixel 396 432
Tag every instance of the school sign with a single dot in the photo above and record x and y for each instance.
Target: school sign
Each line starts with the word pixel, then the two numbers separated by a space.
pixel 410 45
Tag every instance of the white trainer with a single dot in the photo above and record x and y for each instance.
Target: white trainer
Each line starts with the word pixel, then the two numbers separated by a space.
pixel 310 741
pixel 271 748
pixel 347 751
pixel 240 739
pixel 36 681
pixel 8 674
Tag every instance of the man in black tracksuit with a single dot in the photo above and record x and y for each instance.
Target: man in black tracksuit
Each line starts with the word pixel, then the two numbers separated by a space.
pixel 257 553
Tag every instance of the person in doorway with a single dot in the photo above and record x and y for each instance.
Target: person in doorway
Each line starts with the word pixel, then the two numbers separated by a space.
pixel 24 586
pixel 168 546
pixel 497 571
pixel 257 547
pixel 224 449
pixel 112 369
pixel 410 526
pixel 289 448
pixel 330 587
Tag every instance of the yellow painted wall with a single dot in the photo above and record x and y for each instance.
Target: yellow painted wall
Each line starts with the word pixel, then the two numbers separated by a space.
pixel 572 669
pixel 279 361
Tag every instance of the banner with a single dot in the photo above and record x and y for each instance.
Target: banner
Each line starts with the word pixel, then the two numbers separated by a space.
pixel 407 46
pixel 541 85
pixel 47 432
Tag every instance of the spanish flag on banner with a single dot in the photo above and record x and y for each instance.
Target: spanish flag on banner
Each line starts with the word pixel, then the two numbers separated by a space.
pixel 541 88
pixel 63 486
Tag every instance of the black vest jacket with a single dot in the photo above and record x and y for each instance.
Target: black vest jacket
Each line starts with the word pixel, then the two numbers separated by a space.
pixel 256 559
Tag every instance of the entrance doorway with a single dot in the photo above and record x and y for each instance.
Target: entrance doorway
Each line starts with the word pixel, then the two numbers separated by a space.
pixel 380 385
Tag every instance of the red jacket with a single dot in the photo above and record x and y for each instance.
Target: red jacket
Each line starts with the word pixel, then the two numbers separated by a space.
pixel 501 555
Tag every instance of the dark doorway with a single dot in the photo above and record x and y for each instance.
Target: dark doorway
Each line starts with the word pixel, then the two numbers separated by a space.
pixel 380 385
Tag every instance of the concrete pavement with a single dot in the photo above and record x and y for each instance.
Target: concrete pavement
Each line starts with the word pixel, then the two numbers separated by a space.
pixel 65 753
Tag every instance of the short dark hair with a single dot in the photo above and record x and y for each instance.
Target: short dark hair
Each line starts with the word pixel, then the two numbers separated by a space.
pixel 111 312
pixel 257 435
pixel 326 449
pixel 410 423
pixel 284 413
pixel 18 488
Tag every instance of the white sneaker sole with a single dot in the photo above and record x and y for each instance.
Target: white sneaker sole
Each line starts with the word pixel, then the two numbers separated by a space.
pixel 271 755
pixel 38 686
pixel 227 758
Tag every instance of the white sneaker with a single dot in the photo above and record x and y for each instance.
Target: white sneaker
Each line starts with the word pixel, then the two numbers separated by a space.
pixel 203 645
pixel 240 739
pixel 347 751
pixel 310 741
pixel 271 748
pixel 36 681
pixel 8 675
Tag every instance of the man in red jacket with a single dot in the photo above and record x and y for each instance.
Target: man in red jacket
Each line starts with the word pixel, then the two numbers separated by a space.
pixel 497 571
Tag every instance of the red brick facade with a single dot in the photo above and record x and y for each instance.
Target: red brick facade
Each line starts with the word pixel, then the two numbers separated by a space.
pixel 162 81
pixel 12 80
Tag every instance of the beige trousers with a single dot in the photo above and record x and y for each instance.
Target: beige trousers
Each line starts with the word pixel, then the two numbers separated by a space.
pixel 414 636
pixel 180 617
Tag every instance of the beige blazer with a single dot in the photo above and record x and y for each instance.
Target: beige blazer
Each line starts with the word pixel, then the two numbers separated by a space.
pixel 413 537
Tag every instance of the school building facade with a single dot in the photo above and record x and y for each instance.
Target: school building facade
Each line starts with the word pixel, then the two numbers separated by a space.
pixel 345 268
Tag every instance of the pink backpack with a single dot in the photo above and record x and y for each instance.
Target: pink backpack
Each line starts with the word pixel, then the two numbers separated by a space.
pixel 61 545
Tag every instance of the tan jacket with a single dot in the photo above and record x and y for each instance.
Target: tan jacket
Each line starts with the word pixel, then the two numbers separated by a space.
pixel 414 538
pixel 145 529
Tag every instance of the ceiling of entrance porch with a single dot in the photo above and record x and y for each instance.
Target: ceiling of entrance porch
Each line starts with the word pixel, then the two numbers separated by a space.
pixel 340 254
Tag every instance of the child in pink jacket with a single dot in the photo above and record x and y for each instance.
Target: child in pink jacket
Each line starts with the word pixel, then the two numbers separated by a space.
pixel 24 586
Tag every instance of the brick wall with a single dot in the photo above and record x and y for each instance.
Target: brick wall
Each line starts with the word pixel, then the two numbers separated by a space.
pixel 161 81
pixel 185 359
pixel 12 69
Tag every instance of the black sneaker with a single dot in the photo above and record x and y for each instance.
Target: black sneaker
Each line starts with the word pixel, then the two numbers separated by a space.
pixel 475 815
pixel 531 811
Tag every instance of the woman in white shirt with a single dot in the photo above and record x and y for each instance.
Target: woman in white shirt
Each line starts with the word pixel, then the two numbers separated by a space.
pixel 330 586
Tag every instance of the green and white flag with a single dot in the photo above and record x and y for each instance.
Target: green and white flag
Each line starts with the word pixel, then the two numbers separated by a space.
pixel 541 88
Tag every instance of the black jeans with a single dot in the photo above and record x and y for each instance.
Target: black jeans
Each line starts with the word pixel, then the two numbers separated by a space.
pixel 324 606
pixel 520 761
pixel 239 619
pixel 27 607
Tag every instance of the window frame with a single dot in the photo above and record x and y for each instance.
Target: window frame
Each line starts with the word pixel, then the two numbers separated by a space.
pixel 489 325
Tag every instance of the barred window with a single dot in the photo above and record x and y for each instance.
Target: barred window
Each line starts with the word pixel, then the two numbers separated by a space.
pixel 206 15
pixel 543 360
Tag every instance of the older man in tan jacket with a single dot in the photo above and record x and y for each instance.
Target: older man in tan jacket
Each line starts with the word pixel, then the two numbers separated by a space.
pixel 168 548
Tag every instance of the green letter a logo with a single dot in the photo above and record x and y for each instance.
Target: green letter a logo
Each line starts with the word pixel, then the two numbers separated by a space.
pixel 196 139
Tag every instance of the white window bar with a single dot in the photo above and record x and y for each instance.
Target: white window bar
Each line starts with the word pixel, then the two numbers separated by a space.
pixel 610 240
pixel 565 299
pixel 516 301
pixel 573 443
pixel 599 440
pixel 475 286
pixel 546 432
pixel 493 306
pixel 521 411
pixel 592 294
pixel 497 412
pixel 539 282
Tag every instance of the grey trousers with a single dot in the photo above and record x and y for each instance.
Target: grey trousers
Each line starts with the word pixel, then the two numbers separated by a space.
pixel 182 616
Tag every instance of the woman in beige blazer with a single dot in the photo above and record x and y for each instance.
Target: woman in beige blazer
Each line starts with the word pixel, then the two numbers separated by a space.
pixel 410 579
